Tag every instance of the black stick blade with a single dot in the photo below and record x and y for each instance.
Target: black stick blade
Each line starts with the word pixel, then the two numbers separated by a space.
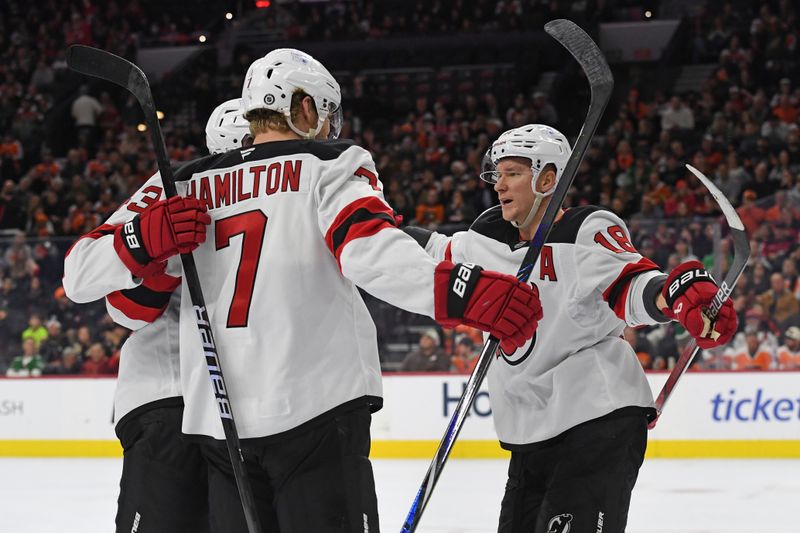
pixel 583 49
pixel 110 67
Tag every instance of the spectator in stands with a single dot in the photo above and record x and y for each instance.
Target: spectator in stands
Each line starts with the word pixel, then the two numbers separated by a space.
pixel 65 311
pixel 751 214
pixel 68 362
pixel 642 347
pixel 465 356
pixel 86 110
pixel 754 355
pixel 84 340
pixel 97 362
pixel 785 111
pixel 778 301
pixel 794 192
pixel 458 212
pixel 789 352
pixel 430 213
pixel 29 364
pixel 19 259
pixel 790 276
pixel 676 115
pixel 729 184
pixel 35 330
pixel 428 357
pixel 52 347
pixel 761 184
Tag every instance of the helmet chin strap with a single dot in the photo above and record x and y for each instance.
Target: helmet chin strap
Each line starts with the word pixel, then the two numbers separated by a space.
pixel 311 133
pixel 537 201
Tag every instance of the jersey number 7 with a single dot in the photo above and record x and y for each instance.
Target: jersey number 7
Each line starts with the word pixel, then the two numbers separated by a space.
pixel 251 225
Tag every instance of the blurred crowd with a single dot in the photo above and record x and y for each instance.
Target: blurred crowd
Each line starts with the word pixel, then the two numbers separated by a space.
pixel 741 129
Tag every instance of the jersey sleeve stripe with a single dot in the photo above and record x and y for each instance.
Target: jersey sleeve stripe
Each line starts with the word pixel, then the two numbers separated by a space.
pixel 147 301
pixel 361 218
pixel 100 231
pixel 617 293
pixel 162 283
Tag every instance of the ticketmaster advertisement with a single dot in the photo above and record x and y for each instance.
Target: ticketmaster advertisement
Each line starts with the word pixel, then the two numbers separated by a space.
pixel 711 414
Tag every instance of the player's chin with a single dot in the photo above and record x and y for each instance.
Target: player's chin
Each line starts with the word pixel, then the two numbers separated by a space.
pixel 509 212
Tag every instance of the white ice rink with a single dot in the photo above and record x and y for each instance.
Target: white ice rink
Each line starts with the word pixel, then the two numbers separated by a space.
pixel 687 496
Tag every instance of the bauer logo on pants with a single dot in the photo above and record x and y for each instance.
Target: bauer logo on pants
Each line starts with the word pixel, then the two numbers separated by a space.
pixel 559 524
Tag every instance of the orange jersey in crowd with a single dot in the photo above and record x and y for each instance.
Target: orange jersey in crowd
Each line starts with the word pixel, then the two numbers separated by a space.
pixel 788 359
pixel 743 360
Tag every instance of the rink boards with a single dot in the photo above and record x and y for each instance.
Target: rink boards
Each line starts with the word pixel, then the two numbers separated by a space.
pixel 712 414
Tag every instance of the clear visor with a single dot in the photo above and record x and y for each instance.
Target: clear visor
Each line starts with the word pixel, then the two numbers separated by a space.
pixel 335 118
pixel 488 169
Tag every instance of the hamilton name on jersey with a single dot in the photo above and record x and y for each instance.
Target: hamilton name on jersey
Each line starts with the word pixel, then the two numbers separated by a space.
pixel 246 182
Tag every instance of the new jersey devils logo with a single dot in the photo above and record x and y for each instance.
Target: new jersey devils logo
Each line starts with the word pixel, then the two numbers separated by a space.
pixel 559 524
pixel 519 355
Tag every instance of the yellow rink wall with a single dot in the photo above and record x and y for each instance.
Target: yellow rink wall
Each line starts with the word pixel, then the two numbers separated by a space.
pixel 711 415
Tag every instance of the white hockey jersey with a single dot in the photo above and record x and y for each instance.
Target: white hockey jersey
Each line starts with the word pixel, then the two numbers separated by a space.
pixel 296 226
pixel 149 363
pixel 577 367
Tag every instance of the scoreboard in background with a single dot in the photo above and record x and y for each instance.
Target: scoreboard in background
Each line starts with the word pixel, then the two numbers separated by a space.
pixel 712 414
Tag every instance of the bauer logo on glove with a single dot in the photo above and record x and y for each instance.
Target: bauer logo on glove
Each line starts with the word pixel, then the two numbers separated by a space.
pixel 690 292
pixel 462 278
pixel 680 284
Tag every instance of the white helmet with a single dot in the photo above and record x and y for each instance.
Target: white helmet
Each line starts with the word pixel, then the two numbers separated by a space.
pixel 272 80
pixel 541 144
pixel 227 128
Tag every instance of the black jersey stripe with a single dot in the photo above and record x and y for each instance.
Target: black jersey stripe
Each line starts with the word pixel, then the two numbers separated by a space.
pixel 323 150
pixel 492 225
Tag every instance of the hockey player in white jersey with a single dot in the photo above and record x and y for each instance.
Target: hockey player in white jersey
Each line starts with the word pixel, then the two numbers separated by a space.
pixel 573 404
pixel 298 223
pixel 164 484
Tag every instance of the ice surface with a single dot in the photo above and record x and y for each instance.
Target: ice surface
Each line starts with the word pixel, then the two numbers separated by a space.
pixel 687 496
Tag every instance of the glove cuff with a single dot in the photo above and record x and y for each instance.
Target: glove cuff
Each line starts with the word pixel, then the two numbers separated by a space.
pixel 682 278
pixel 453 286
pixel 131 251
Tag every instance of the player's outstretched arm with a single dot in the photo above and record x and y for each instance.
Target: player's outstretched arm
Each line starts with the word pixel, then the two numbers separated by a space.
pixel 362 235
pixel 435 244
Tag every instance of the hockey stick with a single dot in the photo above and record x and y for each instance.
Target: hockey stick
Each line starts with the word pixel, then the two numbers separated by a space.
pixel 119 71
pixel 741 254
pixel 601 83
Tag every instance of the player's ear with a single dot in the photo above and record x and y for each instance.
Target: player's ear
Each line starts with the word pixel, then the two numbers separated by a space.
pixel 309 110
pixel 547 179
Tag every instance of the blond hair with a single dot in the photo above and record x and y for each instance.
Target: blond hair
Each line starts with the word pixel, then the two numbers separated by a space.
pixel 265 120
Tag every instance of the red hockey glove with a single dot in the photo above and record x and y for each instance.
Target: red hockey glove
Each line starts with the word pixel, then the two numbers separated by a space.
pixel 688 291
pixel 510 347
pixel 487 300
pixel 166 228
